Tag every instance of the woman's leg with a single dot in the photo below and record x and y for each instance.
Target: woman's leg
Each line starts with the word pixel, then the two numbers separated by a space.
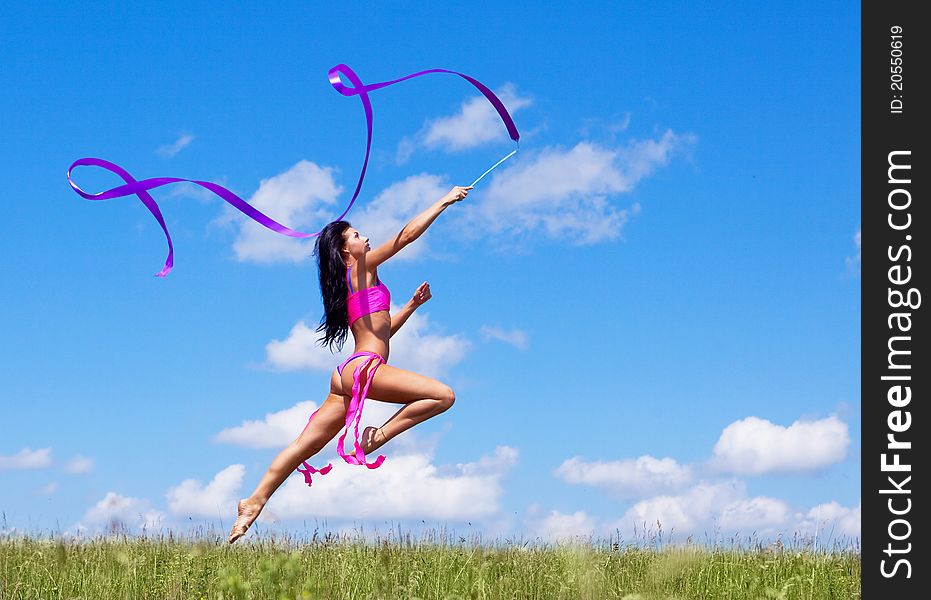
pixel 319 431
pixel 423 397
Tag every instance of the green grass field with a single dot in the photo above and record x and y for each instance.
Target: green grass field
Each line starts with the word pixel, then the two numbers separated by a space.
pixel 264 567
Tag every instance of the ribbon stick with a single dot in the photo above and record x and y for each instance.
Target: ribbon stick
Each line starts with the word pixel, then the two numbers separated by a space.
pixel 141 188
pixel 493 167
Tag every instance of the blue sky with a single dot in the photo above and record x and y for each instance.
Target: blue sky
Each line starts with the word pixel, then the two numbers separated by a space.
pixel 650 313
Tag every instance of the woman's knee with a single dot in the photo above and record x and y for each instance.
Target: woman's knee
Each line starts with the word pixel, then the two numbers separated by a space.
pixel 446 397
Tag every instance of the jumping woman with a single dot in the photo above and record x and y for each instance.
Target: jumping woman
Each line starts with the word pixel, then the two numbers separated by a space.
pixel 354 299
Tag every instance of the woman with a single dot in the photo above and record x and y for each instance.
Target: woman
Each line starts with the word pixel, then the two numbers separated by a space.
pixel 355 300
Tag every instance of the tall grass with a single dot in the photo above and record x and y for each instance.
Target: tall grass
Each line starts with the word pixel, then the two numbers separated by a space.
pixel 120 566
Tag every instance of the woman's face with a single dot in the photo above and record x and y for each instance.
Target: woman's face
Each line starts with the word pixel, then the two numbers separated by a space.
pixel 356 245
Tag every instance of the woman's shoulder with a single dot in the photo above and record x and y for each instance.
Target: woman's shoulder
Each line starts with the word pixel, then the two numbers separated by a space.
pixel 365 278
pixel 371 277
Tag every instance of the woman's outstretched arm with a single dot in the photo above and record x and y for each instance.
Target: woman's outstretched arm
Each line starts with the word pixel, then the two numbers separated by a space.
pixel 421 295
pixel 413 229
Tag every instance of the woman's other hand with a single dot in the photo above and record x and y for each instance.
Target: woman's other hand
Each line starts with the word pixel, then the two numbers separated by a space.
pixel 421 295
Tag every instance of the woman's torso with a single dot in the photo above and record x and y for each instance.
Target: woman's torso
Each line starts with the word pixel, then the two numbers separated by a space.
pixel 371 331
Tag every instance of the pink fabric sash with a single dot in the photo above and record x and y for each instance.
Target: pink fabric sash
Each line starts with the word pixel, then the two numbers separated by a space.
pixel 309 469
pixel 353 416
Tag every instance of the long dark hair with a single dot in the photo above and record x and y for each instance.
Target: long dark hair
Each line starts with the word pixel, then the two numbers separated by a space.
pixel 333 290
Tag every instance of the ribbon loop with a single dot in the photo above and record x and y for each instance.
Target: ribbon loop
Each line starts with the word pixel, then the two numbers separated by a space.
pixel 141 188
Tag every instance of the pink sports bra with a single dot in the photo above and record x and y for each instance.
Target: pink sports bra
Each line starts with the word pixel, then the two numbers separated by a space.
pixel 365 302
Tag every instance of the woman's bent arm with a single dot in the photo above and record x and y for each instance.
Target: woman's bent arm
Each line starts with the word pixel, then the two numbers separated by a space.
pixel 421 296
pixel 400 317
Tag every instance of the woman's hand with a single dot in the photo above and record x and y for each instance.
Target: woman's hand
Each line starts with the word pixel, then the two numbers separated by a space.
pixel 421 295
pixel 456 194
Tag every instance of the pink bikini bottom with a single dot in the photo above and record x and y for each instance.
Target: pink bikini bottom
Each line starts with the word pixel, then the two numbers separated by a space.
pixel 353 415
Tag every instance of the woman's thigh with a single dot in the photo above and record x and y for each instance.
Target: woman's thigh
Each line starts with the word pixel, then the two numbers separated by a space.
pixel 325 424
pixel 391 384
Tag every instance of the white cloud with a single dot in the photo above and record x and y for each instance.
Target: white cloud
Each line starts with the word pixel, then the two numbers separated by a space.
pixel 706 507
pixel 276 430
pixel 476 123
pixel 717 509
pixel 420 347
pixel 640 158
pixel 514 337
pixel 853 262
pixel 384 217
pixel 79 465
pixel 629 478
pixel 752 514
pixel 300 350
pixel 302 198
pixel 190 497
pixel 669 497
pixel 557 526
pixel 723 508
pixel 185 189
pixel 116 512
pixel 754 446
pixel 406 486
pixel 498 463
pixel 47 489
pixel 27 458
pixel 566 193
pixel 406 148
pixel 170 150
pixel 597 126
pixel 415 347
pixel 833 520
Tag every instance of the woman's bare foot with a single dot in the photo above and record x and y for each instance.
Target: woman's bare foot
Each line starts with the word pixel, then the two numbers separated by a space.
pixel 247 513
pixel 373 438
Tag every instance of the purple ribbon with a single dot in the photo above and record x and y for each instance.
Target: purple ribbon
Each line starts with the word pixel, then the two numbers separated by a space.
pixel 141 188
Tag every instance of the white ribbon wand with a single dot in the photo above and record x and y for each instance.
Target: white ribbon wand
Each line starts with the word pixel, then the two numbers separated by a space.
pixel 493 167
